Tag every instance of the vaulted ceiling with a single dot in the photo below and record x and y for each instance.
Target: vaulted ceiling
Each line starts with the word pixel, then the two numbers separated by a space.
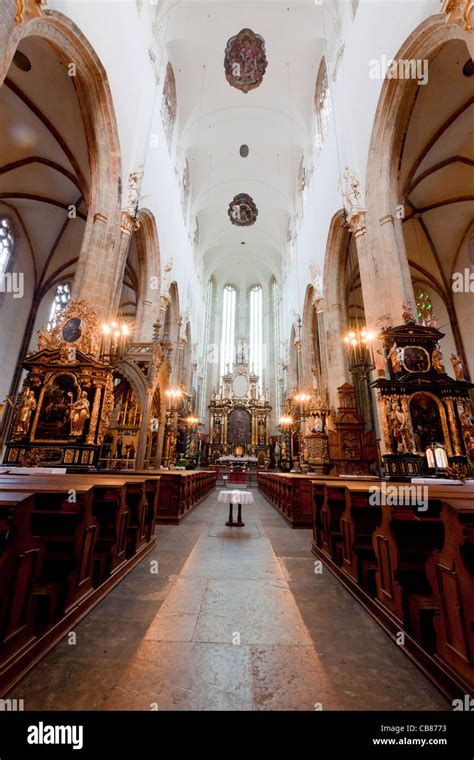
pixel 275 121
pixel 44 164
pixel 437 167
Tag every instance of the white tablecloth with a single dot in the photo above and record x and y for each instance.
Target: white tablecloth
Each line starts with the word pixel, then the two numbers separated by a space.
pixel 235 497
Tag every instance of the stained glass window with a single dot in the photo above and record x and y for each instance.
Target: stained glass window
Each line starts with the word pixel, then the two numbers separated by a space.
pixel 424 306
pixel 61 300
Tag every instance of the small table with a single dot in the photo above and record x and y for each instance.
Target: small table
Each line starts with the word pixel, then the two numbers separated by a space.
pixel 235 497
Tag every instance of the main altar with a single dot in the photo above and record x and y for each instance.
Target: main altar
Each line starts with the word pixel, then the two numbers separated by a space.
pixel 239 417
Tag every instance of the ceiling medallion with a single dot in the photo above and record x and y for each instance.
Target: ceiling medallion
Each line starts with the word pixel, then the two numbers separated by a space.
pixel 242 210
pixel 245 60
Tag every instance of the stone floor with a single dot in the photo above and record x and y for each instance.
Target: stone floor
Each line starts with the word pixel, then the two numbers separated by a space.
pixel 235 619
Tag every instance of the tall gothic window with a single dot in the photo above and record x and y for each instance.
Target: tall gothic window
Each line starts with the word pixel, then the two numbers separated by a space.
pixel 256 326
pixel 61 300
pixel 6 244
pixel 228 329
pixel 207 337
pixel 322 102
pixel 275 295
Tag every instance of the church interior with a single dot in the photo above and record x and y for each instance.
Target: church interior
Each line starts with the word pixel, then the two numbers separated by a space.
pixel 236 304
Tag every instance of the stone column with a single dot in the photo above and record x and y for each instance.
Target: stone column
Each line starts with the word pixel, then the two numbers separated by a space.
pixel 143 435
pixel 335 359
pixel 383 264
pixel 128 226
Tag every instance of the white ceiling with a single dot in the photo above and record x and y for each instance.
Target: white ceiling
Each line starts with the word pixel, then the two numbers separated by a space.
pixel 214 119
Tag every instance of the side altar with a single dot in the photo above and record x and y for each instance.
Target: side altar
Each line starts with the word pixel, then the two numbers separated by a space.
pixel 421 406
pixel 240 416
pixel 62 412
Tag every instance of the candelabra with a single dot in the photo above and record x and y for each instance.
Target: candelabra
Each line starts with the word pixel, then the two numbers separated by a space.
pixel 358 342
pixel 285 424
pixel 114 342
pixel 192 424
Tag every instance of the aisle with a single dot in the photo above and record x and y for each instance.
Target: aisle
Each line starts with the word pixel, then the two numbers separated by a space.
pixel 235 619
pixel 231 635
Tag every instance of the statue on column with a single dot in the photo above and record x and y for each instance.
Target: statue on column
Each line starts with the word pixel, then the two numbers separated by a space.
pixel 25 410
pixel 437 360
pixel 80 412
pixel 134 184
pixel 458 367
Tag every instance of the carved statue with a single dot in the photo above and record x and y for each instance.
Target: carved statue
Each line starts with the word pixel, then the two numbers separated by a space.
pixel 467 426
pixel 79 414
pixel 316 280
pixel 395 358
pixel 351 192
pixel 380 362
pixel 134 184
pixel 407 313
pixel 25 410
pixel 261 430
pixel 166 282
pixel 216 434
pixel 399 425
pixel 384 322
pixel 458 367
pixel 437 359
pixel 318 424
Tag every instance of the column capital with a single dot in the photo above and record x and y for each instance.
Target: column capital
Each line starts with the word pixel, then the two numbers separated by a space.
pixel 460 12
pixel 356 222
pixel 31 8
pixel 388 218
pixel 128 223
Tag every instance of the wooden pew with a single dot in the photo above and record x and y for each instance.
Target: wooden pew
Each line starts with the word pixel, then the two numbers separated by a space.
pixel 329 503
pixel 290 493
pixel 299 496
pixel 181 491
pixel 68 550
pixel 21 557
pixel 68 532
pixel 450 571
pixel 403 542
pixel 142 496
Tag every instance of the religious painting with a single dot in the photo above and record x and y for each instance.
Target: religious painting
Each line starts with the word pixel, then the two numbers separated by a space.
pixel 245 60
pixel 426 421
pixel 71 331
pixel 239 427
pixel 415 359
pixel 242 210
pixel 54 415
